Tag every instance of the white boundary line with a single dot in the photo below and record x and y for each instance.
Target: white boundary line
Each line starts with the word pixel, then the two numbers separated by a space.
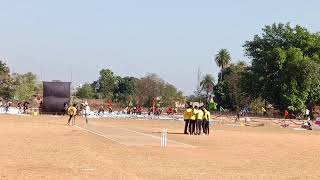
pixel 100 135
pixel 158 137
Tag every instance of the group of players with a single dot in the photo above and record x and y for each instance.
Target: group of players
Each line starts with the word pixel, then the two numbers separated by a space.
pixel 197 121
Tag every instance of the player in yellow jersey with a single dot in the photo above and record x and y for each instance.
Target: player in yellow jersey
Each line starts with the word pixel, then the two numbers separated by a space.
pixel 206 121
pixel 193 119
pixel 72 112
pixel 199 122
pixel 187 115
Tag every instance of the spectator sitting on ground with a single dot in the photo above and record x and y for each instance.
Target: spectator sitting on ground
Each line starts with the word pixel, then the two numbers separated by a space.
pixel 150 111
pixel 175 110
pixel 110 109
pixel 134 111
pixel 306 125
pixel 125 110
pixel 25 107
pixel 170 111
pixel 8 106
pixel 19 107
pixel 284 123
pixel 139 110
pixel 101 110
pixel 157 112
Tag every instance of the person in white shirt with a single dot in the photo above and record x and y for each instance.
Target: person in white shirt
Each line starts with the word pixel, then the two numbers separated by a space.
pixel 308 114
pixel 86 112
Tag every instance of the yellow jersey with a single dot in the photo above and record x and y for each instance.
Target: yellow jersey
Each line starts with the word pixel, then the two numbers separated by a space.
pixel 72 111
pixel 194 114
pixel 200 115
pixel 187 114
pixel 207 115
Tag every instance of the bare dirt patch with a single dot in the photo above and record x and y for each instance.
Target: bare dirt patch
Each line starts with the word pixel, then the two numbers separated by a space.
pixel 44 147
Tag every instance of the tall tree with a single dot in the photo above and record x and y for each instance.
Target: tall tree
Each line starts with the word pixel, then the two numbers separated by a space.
pixel 86 91
pixel 148 88
pixel 107 83
pixel 207 85
pixel 25 86
pixel 170 95
pixel 228 92
pixel 5 81
pixel 125 88
pixel 151 87
pixel 222 59
pixel 283 61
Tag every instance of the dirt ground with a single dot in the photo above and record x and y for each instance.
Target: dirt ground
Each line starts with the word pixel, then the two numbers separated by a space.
pixel 44 147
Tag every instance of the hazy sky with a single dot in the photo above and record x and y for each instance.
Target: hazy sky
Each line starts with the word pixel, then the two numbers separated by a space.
pixel 172 38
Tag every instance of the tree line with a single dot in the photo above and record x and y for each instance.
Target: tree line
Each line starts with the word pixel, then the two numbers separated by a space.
pixel 20 87
pixel 284 71
pixel 109 86
pixel 131 90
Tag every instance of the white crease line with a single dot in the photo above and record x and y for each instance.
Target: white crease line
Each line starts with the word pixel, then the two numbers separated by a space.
pixel 233 125
pixel 88 169
pixel 157 137
pixel 100 135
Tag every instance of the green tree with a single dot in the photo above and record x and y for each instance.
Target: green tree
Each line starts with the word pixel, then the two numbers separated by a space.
pixel 170 95
pixel 222 59
pixel 207 85
pixel 228 92
pixel 107 83
pixel 314 94
pixel 86 91
pixel 6 87
pixel 25 86
pixel 151 87
pixel 148 88
pixel 283 62
pixel 125 88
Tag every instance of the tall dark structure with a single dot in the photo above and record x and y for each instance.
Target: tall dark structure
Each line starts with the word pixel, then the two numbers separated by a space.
pixel 55 95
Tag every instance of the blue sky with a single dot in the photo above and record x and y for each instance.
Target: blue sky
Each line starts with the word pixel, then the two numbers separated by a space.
pixel 172 38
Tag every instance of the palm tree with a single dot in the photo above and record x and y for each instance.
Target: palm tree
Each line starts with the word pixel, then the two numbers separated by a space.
pixel 223 59
pixel 207 85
